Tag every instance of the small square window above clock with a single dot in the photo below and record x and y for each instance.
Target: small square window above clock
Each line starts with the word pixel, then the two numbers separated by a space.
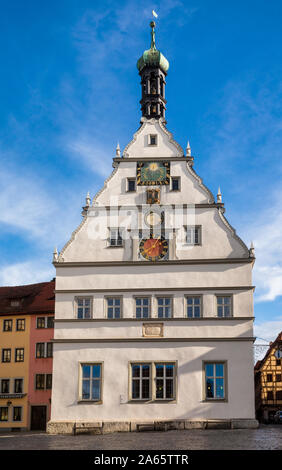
pixel 153 139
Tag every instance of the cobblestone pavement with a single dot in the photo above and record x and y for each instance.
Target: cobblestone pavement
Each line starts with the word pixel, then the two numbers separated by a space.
pixel 264 438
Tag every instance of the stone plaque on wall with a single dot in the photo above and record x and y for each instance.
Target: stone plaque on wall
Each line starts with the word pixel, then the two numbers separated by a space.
pixel 153 329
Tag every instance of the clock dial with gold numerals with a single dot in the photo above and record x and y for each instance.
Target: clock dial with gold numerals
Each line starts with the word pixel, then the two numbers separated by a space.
pixel 153 249
pixel 153 173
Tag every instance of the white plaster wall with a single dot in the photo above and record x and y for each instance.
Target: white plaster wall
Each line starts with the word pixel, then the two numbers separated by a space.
pixel 139 146
pixel 189 403
pixel 90 243
pixel 186 329
pixel 115 189
pixel 171 276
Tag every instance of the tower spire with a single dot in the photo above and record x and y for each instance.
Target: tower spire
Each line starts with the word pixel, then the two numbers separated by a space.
pixel 153 37
pixel 153 67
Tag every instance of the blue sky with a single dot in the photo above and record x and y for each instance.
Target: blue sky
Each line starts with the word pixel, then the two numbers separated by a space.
pixel 70 90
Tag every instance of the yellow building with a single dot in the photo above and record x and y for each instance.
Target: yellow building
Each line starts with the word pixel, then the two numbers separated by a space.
pixel 14 341
pixel 268 382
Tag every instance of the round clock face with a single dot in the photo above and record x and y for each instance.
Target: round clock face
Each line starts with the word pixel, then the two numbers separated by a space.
pixel 153 249
pixel 153 219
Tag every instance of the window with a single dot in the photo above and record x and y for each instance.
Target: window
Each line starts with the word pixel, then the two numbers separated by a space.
pixel 165 381
pixel 193 307
pixel 215 381
pixel 91 386
pixel 40 322
pixel 40 350
pixel 49 348
pixel 175 184
pixel 115 237
pixel 164 307
pixel 131 184
pixel 39 381
pixel 269 377
pixel 44 350
pixel 270 395
pixel 193 235
pixel 84 307
pixel 43 381
pixel 141 377
pixel 50 322
pixel 153 138
pixel 153 381
pixel 7 325
pixel 19 354
pixel 113 307
pixel 15 303
pixel 278 377
pixel 142 307
pixel 45 322
pixel 18 386
pixel 5 386
pixel 279 395
pixel 6 355
pixel 224 306
pixel 20 324
pixel 3 413
pixel 48 381
pixel 17 413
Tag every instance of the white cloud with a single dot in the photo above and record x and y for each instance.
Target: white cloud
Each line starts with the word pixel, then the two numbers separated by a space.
pixel 29 272
pixel 266 234
pixel 268 331
pixel 246 152
pixel 94 157
pixel 31 209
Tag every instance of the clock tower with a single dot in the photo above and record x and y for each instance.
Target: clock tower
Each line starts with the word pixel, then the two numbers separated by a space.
pixel 153 67
pixel 154 295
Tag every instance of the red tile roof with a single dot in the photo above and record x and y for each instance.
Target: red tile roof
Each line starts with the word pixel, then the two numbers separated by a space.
pixel 32 298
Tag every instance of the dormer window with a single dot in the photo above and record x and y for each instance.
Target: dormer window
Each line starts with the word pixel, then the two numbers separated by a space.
pixel 153 139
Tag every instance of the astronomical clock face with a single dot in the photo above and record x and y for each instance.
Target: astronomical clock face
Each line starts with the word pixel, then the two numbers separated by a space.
pixel 153 173
pixel 153 249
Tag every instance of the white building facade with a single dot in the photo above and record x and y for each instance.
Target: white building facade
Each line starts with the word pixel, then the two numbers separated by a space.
pixel 154 295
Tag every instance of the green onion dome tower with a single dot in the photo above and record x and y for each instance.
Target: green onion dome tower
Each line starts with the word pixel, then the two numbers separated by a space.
pixel 153 67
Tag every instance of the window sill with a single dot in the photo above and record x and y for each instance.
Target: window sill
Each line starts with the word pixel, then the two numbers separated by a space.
pixel 215 400
pixel 92 402
pixel 115 246
pixel 151 400
pixel 192 244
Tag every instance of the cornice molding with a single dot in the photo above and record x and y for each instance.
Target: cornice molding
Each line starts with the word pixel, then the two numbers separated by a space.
pixel 153 340
pixel 156 320
pixel 154 263
pixel 157 289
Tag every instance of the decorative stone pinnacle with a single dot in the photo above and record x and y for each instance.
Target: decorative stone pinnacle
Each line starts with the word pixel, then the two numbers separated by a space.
pixel 219 196
pixel 88 199
pixel 55 255
pixel 252 250
pixel 188 150
pixel 118 150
